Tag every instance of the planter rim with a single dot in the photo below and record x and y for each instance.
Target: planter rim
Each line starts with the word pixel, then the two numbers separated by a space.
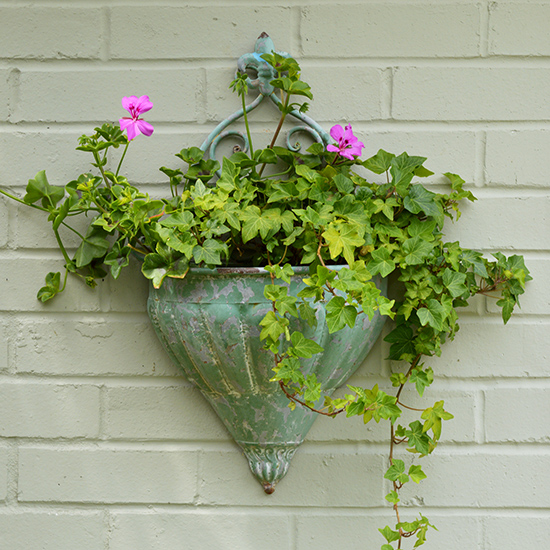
pixel 245 271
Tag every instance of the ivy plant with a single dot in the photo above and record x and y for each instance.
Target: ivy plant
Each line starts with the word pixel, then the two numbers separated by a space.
pixel 278 208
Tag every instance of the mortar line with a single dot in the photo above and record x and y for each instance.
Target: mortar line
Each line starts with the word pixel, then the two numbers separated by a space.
pixel 14 77
pixel 386 93
pixel 480 158
pixel 484 30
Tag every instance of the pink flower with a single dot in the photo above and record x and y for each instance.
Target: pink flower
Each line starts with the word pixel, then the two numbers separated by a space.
pixel 133 124
pixel 347 144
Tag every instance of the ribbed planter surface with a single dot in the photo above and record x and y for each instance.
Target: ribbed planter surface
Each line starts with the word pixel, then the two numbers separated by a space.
pixel 209 325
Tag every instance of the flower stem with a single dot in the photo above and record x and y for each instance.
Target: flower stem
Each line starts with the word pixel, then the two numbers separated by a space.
pixel 245 115
pixel 121 159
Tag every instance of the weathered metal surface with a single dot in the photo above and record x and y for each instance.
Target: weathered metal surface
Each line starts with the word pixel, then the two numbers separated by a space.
pixel 209 324
pixel 265 74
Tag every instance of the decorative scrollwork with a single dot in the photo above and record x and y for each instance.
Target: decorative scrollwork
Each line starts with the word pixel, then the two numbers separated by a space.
pixel 265 74
pixel 297 146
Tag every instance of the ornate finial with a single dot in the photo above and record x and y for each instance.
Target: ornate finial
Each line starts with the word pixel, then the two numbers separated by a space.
pixel 253 61
pixel 265 74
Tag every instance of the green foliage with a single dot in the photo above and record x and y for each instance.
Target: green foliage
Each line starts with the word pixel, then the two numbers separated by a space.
pixel 316 210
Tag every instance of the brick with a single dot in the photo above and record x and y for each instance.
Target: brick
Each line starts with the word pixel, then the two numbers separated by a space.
pixel 3 473
pixel 171 32
pixel 503 532
pixel 23 154
pixel 215 529
pixel 517 415
pixel 5 94
pixel 94 96
pixel 513 158
pixel 31 229
pixel 161 413
pixel 100 475
pixel 130 291
pixel 492 223
pixel 221 102
pixel 90 347
pixel 447 151
pixel 519 28
pixel 536 300
pixel 470 93
pixel 48 410
pixel 314 479
pixel 52 530
pixel 22 278
pixel 482 479
pixel 487 348
pixel 34 32
pixel 352 530
pixel 462 404
pixel 359 100
pixel 423 30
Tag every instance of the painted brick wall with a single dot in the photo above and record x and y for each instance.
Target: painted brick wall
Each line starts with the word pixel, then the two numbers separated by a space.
pixel 103 445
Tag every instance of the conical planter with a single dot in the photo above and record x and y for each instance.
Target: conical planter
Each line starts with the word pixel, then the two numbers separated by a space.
pixel 209 325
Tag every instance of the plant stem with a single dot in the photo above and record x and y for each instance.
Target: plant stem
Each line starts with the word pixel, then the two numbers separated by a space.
pixel 278 129
pixel 245 116
pixel 61 246
pixel 9 195
pixel 121 159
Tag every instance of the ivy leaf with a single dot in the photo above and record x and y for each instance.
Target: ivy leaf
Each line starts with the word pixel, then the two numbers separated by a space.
pixel 402 343
pixel 381 262
pixel 312 391
pixel 157 267
pixel 339 314
pixel 380 162
pixel 433 416
pixel 416 250
pixel 181 220
pixel 507 304
pixel 417 438
pixel 396 472
pixel 273 326
pixel 39 188
pixel 308 314
pixel 47 292
pixel 416 473
pixel 209 252
pixel 454 282
pixel 392 497
pixel 434 314
pixel 474 259
pixel 420 199
pixel 421 378
pixel 256 222
pixel 94 245
pixel 304 347
pixel 389 535
pixel 343 184
pixel 342 238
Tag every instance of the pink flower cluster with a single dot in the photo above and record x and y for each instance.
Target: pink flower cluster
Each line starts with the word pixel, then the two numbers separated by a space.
pixel 133 124
pixel 347 145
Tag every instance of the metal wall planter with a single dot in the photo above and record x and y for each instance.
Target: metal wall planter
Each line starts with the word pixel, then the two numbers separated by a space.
pixel 209 325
